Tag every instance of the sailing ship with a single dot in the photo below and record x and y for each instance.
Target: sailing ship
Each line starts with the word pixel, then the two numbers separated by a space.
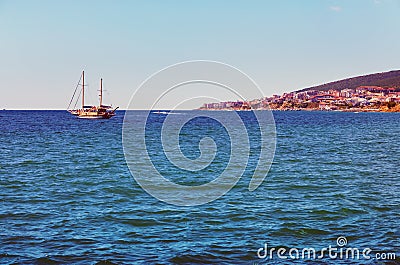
pixel 87 111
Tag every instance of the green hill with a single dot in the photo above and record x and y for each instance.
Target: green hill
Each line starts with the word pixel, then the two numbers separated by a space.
pixel 385 79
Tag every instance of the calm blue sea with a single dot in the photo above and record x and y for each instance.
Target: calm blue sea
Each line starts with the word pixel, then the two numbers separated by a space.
pixel 67 196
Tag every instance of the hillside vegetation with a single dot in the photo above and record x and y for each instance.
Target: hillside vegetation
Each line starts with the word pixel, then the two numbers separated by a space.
pixel 385 79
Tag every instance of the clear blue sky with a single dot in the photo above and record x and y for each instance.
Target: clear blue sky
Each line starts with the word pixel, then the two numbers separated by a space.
pixel 282 45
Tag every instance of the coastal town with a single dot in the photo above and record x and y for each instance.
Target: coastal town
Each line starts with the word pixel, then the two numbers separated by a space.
pixel 362 98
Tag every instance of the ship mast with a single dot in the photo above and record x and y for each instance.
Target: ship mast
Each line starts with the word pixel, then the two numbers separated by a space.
pixel 83 90
pixel 101 92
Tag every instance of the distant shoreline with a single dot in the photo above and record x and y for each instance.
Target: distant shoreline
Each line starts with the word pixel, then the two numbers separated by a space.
pixel 393 110
pixel 360 99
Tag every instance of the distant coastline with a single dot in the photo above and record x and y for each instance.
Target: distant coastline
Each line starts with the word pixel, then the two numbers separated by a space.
pixel 362 99
pixel 356 94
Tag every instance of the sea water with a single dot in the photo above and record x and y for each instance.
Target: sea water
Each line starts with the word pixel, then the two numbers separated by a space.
pixel 68 197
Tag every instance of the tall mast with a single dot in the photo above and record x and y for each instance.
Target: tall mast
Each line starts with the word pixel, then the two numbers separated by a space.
pixel 83 89
pixel 101 92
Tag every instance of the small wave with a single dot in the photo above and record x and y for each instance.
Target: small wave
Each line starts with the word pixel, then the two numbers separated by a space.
pixel 383 208
pixel 166 113
pixel 45 260
pixel 105 262
pixel 199 259
pixel 351 211
pixel 160 112
pixel 82 241
pixel 9 256
pixel 141 222
pixel 299 232
pixel 322 212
